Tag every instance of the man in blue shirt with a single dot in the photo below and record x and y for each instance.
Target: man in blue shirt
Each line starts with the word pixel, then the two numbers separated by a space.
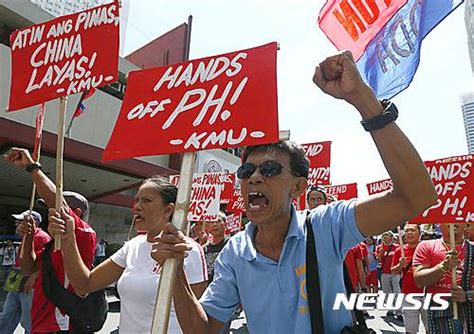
pixel 264 267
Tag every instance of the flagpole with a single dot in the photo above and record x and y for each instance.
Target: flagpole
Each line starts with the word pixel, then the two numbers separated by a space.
pixel 59 163
pixel 38 137
pixel 454 282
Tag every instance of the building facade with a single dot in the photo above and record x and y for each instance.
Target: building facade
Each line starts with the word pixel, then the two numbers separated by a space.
pixel 467 102
pixel 111 187
pixel 469 17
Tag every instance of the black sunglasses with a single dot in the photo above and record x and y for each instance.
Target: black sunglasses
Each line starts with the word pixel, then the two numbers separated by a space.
pixel 267 169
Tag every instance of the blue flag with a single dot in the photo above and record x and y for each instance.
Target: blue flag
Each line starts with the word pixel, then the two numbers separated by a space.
pixel 391 59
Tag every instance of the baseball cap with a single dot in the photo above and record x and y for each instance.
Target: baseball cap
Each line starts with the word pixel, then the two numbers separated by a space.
pixel 73 199
pixel 22 216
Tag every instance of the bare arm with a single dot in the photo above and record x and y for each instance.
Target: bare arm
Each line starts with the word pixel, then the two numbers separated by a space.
pixel 82 279
pixel 191 315
pixel 425 276
pixel 45 187
pixel 361 273
pixel 28 263
pixel 413 190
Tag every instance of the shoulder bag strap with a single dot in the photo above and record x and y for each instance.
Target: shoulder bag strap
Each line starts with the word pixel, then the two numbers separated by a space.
pixel 312 282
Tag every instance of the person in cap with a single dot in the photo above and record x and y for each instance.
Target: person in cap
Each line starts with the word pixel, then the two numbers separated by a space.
pixel 45 316
pixel 17 305
pixel 316 196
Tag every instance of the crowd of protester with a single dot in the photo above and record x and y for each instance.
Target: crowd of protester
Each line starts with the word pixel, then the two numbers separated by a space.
pixel 262 269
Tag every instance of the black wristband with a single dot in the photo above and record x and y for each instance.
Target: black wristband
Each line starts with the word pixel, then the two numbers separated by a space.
pixel 33 166
pixel 389 115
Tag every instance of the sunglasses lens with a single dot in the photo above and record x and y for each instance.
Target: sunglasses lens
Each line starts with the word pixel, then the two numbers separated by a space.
pixel 270 168
pixel 246 170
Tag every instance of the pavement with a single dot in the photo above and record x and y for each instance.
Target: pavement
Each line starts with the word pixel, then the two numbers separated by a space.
pixel 377 320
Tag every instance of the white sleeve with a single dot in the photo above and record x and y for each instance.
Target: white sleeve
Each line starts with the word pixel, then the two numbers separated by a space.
pixel 195 265
pixel 120 256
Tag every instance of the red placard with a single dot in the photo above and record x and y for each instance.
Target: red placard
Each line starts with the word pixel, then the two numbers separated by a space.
pixel 319 155
pixel 228 179
pixel 342 192
pixel 454 182
pixel 206 192
pixel 64 56
pixel 236 204
pixel 233 223
pixel 228 100
pixel 379 186
pixel 453 179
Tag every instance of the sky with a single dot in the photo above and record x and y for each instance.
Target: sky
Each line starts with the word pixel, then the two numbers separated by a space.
pixel 429 110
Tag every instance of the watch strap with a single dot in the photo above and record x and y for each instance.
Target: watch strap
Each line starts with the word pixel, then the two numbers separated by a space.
pixel 389 115
pixel 33 166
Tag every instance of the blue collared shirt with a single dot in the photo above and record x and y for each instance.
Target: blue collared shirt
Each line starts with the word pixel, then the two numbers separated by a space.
pixel 273 294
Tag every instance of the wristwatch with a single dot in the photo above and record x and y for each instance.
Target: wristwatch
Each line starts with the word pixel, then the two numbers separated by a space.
pixel 389 115
pixel 33 166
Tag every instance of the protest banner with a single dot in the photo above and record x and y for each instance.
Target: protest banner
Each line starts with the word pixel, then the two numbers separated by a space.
pixel 206 190
pixel 64 56
pixel 342 192
pixel 233 223
pixel 228 179
pixel 453 180
pixel 319 156
pixel 171 106
pixel 236 204
pixel 384 36
pixel 379 186
pixel 207 103
pixel 353 24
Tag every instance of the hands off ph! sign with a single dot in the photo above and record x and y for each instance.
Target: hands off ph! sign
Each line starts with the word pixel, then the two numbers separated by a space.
pixel 453 180
pixel 64 56
pixel 205 195
pixel 222 101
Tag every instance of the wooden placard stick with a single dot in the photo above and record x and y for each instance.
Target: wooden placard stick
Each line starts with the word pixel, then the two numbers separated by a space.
pixel 400 240
pixel 59 162
pixel 453 273
pixel 168 273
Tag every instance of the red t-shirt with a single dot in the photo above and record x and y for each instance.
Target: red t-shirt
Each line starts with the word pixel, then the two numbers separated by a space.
pixel 40 238
pixel 408 282
pixel 45 317
pixel 386 260
pixel 364 253
pixel 432 252
pixel 350 261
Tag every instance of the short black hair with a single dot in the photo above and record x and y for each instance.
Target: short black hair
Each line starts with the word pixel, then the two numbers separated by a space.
pixel 299 163
pixel 165 188
pixel 318 189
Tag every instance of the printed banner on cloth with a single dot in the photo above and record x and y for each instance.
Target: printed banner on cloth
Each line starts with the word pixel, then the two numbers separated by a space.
pixel 64 56
pixel 352 24
pixel 384 36
pixel 228 100
pixel 391 59
pixel 206 192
